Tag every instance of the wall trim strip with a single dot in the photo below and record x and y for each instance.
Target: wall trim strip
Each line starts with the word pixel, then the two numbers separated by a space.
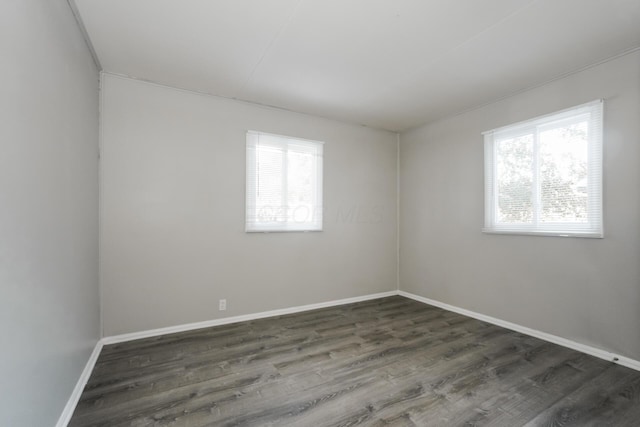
pixel 242 318
pixel 593 351
pixel 70 407
pixel 86 373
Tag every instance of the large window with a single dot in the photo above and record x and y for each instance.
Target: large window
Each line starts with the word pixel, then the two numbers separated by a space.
pixel 544 176
pixel 284 183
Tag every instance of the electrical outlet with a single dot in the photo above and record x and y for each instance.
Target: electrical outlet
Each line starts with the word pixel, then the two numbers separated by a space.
pixel 222 305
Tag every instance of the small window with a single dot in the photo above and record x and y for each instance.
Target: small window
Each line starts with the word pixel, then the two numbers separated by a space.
pixel 544 176
pixel 284 183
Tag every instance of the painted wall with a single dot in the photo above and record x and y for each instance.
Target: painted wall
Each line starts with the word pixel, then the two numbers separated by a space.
pixel 49 309
pixel 172 211
pixel 587 290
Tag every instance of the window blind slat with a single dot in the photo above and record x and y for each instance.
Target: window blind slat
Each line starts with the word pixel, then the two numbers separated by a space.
pixel 284 183
pixel 544 176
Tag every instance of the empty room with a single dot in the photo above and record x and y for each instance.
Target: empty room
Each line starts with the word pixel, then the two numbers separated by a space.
pixel 320 213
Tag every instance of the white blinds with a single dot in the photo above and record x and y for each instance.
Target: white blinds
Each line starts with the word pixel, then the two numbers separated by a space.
pixel 284 183
pixel 544 176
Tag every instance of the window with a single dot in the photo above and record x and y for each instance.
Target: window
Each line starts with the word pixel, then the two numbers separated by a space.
pixel 284 183
pixel 544 176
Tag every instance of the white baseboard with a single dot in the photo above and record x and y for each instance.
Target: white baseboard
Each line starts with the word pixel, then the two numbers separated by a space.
pixel 65 417
pixel 243 318
pixel 86 373
pixel 593 351
pixel 70 407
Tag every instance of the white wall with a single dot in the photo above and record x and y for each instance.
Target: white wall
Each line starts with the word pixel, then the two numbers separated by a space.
pixel 172 211
pixel 49 309
pixel 587 290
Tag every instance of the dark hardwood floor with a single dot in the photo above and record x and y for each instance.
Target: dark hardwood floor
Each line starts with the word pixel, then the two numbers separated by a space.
pixel 391 361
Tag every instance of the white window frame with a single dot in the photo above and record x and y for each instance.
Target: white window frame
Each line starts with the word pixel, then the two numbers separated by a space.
pixel 594 225
pixel 287 221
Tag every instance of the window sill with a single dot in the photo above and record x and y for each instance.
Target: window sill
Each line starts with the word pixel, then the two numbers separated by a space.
pixel 545 233
pixel 282 231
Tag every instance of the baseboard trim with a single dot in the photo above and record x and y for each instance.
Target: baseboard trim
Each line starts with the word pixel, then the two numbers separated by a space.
pixel 67 412
pixel 593 351
pixel 114 339
pixel 70 407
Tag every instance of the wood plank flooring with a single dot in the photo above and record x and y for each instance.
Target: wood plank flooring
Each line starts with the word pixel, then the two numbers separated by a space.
pixel 390 361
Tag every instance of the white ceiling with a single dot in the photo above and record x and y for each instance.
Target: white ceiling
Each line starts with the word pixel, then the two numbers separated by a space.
pixel 389 64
